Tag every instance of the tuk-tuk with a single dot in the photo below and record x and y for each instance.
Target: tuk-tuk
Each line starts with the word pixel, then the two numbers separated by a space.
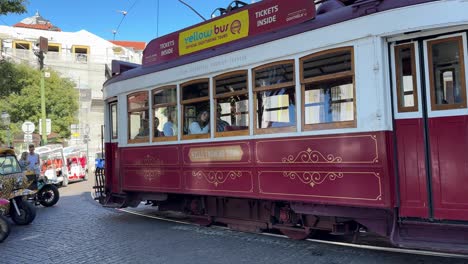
pixel 53 164
pixel 76 163
pixel 14 188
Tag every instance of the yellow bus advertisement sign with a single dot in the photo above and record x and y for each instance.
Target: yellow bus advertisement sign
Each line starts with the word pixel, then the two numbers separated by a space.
pixel 215 33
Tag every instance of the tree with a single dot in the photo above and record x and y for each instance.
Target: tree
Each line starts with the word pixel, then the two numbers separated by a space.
pixel 24 103
pixel 13 6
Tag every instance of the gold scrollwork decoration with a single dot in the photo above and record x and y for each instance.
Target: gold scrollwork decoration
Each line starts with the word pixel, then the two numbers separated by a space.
pixel 151 175
pixel 216 177
pixel 311 156
pixel 313 178
pixel 150 160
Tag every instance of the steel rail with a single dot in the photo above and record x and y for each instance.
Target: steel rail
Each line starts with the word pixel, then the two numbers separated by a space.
pixel 344 244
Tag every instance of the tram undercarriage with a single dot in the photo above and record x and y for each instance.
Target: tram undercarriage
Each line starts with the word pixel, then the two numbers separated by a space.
pixel 300 221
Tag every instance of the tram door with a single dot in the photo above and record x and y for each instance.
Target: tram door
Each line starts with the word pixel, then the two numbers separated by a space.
pixel 431 126
pixel 111 149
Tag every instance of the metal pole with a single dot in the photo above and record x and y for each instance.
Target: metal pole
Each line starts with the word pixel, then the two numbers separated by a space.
pixel 8 136
pixel 43 110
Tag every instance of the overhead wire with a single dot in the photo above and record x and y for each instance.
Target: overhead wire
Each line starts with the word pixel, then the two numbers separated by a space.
pixel 157 18
pixel 124 15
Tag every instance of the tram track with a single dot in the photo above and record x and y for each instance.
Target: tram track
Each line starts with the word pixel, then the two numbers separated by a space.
pixel 322 241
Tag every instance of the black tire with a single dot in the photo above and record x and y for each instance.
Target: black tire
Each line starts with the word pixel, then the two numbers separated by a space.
pixel 4 228
pixel 27 212
pixel 48 195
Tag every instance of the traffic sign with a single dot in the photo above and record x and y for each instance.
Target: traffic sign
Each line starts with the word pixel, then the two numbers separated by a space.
pixel 28 138
pixel 48 126
pixel 28 127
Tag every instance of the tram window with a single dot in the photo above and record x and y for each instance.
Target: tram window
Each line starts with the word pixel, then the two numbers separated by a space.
pixel 232 104
pixel 165 114
pixel 405 65
pixel 329 101
pixel 275 98
pixel 114 121
pixel 327 63
pixel 138 117
pixel 447 73
pixel 195 102
pixel 328 89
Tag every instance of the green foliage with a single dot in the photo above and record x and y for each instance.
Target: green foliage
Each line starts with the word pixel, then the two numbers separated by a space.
pixel 20 96
pixel 13 6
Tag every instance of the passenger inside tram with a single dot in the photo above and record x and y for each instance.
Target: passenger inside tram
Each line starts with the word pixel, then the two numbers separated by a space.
pixel 220 124
pixel 169 128
pixel 144 129
pixel 201 125
pixel 156 132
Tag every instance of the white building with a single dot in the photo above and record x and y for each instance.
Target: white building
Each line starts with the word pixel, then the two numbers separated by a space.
pixel 80 56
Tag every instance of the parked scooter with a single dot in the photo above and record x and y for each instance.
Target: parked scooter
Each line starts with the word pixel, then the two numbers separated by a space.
pixel 47 193
pixel 4 225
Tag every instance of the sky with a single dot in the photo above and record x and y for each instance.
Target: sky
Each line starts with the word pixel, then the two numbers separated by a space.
pixel 143 21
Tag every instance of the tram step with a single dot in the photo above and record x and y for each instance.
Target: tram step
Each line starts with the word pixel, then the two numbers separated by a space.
pixel 432 236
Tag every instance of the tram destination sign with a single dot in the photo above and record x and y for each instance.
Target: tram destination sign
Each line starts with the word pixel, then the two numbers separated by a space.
pixel 256 19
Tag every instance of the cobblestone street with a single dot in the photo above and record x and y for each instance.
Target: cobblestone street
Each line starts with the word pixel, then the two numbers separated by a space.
pixel 79 230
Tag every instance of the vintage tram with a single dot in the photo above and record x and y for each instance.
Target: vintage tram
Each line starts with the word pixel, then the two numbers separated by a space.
pixel 337 115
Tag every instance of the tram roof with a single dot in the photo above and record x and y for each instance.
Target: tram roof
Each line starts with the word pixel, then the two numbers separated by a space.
pixel 344 11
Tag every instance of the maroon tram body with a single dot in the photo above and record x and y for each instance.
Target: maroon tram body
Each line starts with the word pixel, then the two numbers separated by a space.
pixel 403 178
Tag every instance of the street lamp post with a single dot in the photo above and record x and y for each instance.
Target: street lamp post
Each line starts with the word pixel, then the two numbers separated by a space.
pixel 6 122
pixel 43 47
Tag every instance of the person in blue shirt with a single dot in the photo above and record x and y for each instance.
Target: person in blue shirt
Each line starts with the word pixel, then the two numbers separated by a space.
pixel 169 128
pixel 33 160
pixel 24 162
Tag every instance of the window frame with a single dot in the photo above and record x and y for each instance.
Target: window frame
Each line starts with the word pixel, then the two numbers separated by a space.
pixel 226 95
pixel 463 104
pixel 112 120
pixel 398 84
pixel 328 77
pixel 141 109
pixel 191 101
pixel 75 54
pixel 155 106
pixel 22 43
pixel 255 90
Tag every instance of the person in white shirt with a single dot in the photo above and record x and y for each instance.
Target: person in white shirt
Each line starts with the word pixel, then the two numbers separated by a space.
pixel 201 125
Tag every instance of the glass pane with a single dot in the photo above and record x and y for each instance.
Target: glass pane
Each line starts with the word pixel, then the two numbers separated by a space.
pixel 138 101
pixel 138 125
pixel 406 76
pixel 232 113
pixel 165 121
pixel 165 96
pixel 446 73
pixel 197 118
pixel 327 64
pixel 114 120
pixel 274 75
pixel 9 165
pixel 276 108
pixel 329 101
pixel 232 83
pixel 195 90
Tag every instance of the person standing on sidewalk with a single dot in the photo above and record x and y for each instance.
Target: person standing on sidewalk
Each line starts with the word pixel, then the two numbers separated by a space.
pixel 33 159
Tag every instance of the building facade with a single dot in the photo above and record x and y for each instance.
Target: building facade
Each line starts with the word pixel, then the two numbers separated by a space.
pixel 81 56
